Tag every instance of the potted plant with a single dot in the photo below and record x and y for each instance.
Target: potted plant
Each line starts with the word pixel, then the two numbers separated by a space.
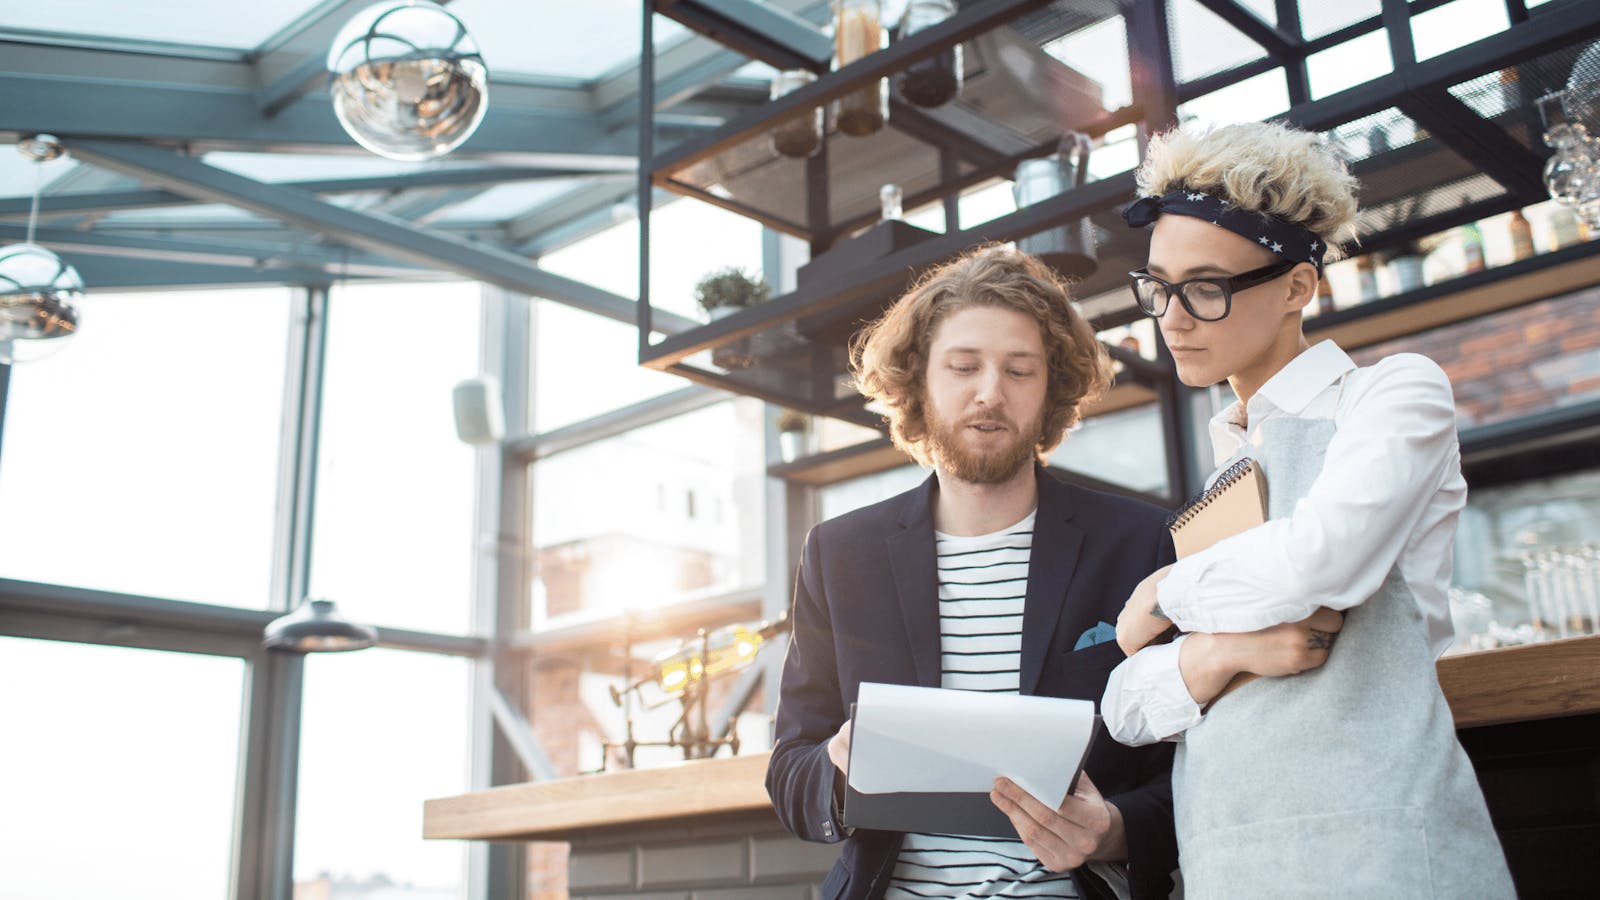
pixel 722 293
pixel 792 426
pixel 730 289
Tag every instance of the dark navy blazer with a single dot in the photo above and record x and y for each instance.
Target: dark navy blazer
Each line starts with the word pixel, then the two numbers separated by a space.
pixel 866 609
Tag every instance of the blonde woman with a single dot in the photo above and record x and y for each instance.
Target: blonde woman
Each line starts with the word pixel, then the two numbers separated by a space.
pixel 1342 776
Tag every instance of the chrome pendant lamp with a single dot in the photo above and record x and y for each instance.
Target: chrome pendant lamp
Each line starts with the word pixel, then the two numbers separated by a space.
pixel 39 293
pixel 316 626
pixel 407 80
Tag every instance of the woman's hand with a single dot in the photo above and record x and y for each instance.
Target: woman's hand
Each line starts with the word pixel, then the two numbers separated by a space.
pixel 1141 621
pixel 1209 661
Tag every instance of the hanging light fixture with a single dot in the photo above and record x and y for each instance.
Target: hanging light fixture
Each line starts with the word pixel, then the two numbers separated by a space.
pixel 407 82
pixel 39 293
pixel 317 627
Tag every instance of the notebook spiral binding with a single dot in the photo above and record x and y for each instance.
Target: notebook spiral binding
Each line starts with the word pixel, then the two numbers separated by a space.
pixel 1224 481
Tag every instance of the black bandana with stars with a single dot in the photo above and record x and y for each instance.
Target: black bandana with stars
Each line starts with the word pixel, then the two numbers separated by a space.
pixel 1286 239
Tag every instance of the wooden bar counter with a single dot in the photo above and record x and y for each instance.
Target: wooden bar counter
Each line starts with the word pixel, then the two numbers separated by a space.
pixel 1529 716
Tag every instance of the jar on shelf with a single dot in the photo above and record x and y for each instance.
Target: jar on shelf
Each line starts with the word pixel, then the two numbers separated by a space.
pixel 858 32
pixel 800 135
pixel 936 80
pixel 890 203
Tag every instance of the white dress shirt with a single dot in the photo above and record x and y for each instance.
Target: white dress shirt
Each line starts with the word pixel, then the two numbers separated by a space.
pixel 1389 492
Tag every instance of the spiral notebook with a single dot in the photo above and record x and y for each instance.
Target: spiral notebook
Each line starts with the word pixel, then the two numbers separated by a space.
pixel 1235 502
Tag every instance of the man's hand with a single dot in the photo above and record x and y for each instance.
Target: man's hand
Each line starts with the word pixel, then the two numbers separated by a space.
pixel 1141 621
pixel 1085 828
pixel 839 749
pixel 1209 661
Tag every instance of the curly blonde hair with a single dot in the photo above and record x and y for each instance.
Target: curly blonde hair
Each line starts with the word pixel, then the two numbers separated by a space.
pixel 1287 173
pixel 889 357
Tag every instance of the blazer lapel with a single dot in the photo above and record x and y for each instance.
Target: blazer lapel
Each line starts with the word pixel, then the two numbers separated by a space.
pixel 1057 544
pixel 912 557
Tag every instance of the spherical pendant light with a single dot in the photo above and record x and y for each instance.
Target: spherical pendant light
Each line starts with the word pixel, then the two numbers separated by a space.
pixel 407 80
pixel 39 297
pixel 39 293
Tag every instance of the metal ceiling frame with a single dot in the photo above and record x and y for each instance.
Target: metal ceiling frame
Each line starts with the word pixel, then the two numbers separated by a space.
pixel 260 101
pixel 98 202
pixel 377 233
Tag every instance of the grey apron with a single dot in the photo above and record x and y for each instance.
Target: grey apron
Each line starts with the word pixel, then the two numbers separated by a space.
pixel 1343 782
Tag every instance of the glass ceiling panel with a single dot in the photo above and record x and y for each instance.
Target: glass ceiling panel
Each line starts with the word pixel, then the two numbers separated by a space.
pixel 569 40
pixel 18 174
pixel 205 212
pixel 310 166
pixel 506 201
pixel 244 26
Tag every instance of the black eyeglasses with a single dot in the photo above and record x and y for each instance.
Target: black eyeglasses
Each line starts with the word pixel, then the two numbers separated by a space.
pixel 1208 298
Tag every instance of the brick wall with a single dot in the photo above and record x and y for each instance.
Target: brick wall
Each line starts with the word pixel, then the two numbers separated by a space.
pixel 1513 363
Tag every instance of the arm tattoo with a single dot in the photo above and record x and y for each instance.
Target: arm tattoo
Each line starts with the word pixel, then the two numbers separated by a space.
pixel 1156 612
pixel 1319 640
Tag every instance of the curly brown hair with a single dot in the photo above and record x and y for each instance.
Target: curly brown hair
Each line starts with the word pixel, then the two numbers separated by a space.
pixel 889 357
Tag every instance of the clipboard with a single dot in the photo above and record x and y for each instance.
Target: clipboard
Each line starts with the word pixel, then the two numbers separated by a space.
pixel 918 796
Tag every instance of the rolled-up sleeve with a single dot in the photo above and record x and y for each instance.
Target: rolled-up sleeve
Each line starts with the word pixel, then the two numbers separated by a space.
pixel 1146 699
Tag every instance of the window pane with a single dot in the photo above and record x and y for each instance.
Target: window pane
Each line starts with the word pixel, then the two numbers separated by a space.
pixel 393 534
pixel 382 731
pixel 1319 17
pixel 568 340
pixel 118 771
pixel 1251 100
pixel 1100 52
pixel 1203 43
pixel 688 240
pixel 660 514
pixel 1456 24
pixel 838 499
pixel 142 457
pixel 1125 447
pixel 1346 65
pixel 177 21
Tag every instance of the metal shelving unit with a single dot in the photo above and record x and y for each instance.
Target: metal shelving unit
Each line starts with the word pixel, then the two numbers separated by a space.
pixel 1436 143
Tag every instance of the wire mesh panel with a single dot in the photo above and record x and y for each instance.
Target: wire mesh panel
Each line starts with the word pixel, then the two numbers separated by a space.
pixel 1507 97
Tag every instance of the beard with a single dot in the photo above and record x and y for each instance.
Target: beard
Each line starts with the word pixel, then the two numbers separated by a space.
pixel 996 465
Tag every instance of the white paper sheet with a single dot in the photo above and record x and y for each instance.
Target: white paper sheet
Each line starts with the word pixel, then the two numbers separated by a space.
pixel 937 740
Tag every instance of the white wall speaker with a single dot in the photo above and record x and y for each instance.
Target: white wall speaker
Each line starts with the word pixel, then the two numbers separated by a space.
pixel 480 414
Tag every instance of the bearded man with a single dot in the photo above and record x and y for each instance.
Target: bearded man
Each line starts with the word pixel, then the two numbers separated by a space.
pixel 993 575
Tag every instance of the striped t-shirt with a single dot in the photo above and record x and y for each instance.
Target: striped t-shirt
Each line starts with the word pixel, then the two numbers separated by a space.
pixel 983 583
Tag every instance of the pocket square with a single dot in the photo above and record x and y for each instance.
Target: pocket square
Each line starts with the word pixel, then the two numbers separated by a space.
pixel 1099 634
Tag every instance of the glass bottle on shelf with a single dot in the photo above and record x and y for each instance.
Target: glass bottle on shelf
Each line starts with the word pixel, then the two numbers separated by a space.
pixel 800 136
pixel 936 80
pixel 1471 247
pixel 1367 277
pixel 857 32
pixel 889 203
pixel 1325 303
pixel 1564 228
pixel 1521 235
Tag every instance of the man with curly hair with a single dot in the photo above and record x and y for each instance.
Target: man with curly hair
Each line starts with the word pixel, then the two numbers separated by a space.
pixel 993 575
pixel 1346 780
